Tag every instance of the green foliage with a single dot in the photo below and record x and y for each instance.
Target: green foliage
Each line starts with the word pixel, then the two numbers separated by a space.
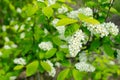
pixel 32 68
pixel 63 74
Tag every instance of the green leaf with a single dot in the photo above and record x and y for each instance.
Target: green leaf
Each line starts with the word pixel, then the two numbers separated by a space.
pixel 60 55
pixel 63 74
pixel 41 55
pixel 108 50
pixel 45 66
pixel 95 44
pixel 66 21
pixel 98 76
pixel 48 11
pixel 57 41
pixel 71 29
pixel 32 68
pixel 76 74
pixel 29 10
pixel 50 53
pixel 18 67
pixel 87 19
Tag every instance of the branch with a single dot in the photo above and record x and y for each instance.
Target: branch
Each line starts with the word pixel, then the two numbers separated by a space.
pixel 111 4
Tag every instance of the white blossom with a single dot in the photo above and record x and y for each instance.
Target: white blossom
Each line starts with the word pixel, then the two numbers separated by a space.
pixel 74 14
pixel 29 18
pixel 7 39
pixel 83 66
pixel 20 61
pixel 1 53
pixel 22 35
pixel 13 78
pixel 4 28
pixel 75 43
pixel 86 11
pixel 7 47
pixel 111 62
pixel 62 9
pixel 57 64
pixel 51 2
pixel 16 27
pixel 45 45
pixel 19 10
pixel 60 29
pixel 40 0
pixel 98 29
pixel 52 72
pixel 112 28
pixel 22 27
pixel 14 46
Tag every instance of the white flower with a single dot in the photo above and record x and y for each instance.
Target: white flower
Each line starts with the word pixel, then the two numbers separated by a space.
pixel 75 43
pixel 29 18
pixel 112 28
pixel 86 11
pixel 20 61
pixel 51 2
pixel 111 62
pixel 19 10
pixel 40 0
pixel 16 27
pixel 83 66
pixel 60 29
pixel 13 78
pixel 22 35
pixel 99 29
pixel 82 57
pixel 4 28
pixel 1 53
pixel 46 31
pixel 73 14
pixel 22 27
pixel 45 45
pixel 57 64
pixel 7 47
pixel 7 39
pixel 62 10
pixel 53 71
pixel 14 46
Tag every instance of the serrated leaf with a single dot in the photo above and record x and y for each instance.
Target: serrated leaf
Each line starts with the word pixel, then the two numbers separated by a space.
pixel 45 66
pixel 65 21
pixel 48 11
pixel 32 68
pixel 76 74
pixel 50 53
pixel 18 67
pixel 63 74
pixel 87 19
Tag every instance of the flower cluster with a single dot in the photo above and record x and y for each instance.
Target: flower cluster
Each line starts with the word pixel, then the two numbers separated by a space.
pixel 60 29
pixel 86 11
pixel 83 66
pixel 53 71
pixel 62 10
pixel 103 29
pixel 45 45
pixel 51 2
pixel 75 42
pixel 20 61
